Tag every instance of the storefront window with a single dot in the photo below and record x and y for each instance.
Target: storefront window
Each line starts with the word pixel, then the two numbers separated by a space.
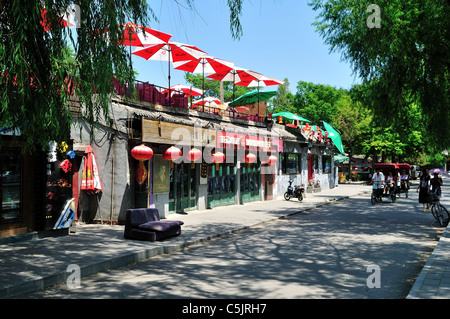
pixel 10 190
pixel 326 164
pixel 292 163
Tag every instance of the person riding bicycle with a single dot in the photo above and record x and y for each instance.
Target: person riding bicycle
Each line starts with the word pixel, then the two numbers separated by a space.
pixel 389 183
pixel 404 180
pixel 378 180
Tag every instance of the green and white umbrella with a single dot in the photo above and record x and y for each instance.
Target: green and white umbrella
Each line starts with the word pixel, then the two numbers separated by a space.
pixel 291 116
pixel 335 137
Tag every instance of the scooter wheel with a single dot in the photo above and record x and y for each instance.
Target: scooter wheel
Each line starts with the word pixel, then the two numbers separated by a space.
pixel 287 196
pixel 300 198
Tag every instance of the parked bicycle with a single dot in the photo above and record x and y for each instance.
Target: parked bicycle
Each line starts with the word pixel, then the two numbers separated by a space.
pixel 439 212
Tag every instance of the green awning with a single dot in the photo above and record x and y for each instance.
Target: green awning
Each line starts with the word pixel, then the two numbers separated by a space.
pixel 252 97
pixel 335 137
pixel 291 116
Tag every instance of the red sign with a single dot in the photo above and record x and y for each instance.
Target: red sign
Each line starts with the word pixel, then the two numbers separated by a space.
pixel 248 142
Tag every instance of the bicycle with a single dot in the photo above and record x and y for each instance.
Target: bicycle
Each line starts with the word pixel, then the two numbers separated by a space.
pixel 438 211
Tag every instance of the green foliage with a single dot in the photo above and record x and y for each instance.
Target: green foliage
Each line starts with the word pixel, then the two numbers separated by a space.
pixel 404 60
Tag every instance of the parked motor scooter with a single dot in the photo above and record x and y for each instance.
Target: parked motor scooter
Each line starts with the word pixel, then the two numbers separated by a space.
pixel 296 191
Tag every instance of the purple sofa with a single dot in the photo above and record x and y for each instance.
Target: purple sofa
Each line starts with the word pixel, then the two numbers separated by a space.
pixel 145 224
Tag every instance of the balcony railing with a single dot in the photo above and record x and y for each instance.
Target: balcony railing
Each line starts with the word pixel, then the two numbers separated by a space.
pixel 155 94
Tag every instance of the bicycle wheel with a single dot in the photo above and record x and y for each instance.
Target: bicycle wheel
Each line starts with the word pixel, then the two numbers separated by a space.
pixel 444 215
pixel 373 199
pixel 434 212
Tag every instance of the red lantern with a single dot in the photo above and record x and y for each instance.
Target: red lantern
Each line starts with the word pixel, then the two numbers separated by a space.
pixel 250 158
pixel 218 157
pixel 141 153
pixel 172 153
pixel 356 168
pixel 194 155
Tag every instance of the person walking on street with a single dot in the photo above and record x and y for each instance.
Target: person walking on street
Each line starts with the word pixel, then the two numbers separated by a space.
pixel 436 183
pixel 424 189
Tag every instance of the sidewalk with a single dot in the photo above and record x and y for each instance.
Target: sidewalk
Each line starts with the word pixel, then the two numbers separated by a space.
pixel 30 265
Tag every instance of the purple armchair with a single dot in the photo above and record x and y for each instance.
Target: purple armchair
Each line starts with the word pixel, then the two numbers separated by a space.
pixel 145 224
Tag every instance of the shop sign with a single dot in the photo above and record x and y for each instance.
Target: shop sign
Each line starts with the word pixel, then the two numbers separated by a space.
pixel 247 142
pixel 172 133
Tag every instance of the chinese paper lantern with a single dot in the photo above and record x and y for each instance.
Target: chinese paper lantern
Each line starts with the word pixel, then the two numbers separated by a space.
pixel 250 158
pixel 356 168
pixel 172 153
pixel 218 157
pixel 141 153
pixel 194 155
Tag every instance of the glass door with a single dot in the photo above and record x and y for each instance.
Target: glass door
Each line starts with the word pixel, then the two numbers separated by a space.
pixel 183 187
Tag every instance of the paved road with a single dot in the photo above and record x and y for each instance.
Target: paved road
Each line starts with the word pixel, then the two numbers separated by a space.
pixel 321 253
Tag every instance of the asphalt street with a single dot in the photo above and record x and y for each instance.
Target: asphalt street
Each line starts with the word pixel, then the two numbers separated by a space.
pixel 331 252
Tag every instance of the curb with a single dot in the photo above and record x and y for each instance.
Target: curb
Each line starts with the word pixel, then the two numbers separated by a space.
pixel 140 256
pixel 415 289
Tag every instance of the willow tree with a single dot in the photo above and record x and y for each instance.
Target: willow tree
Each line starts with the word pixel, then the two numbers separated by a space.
pixel 43 64
pixel 400 47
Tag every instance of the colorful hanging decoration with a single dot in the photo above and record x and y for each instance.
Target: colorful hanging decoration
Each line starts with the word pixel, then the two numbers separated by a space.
pixel 141 153
pixel 71 154
pixel 172 153
pixel 66 166
pixel 62 148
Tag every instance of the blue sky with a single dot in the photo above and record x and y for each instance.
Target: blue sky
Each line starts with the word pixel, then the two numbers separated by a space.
pixel 278 41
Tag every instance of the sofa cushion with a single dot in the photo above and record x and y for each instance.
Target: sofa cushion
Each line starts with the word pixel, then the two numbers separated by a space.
pixel 160 226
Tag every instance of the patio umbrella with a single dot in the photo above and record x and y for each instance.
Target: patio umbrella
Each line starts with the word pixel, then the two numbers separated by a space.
pixel 91 182
pixel 204 64
pixel 291 116
pixel 45 21
pixel 170 52
pixel 335 137
pixel 140 36
pixel 236 74
pixel 189 90
pixel 252 97
pixel 207 101
pixel 261 80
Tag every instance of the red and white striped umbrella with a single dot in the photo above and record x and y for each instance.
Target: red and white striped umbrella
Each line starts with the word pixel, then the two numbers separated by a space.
pixel 170 52
pixel 61 19
pixel 207 101
pixel 204 64
pixel 236 74
pixel 260 81
pixel 140 36
pixel 189 90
